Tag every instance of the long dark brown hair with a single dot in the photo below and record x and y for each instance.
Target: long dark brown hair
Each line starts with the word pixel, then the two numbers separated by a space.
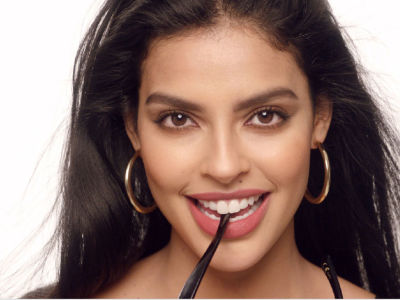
pixel 101 235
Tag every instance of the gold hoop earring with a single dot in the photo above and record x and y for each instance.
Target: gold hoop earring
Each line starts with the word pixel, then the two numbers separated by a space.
pixel 140 208
pixel 327 179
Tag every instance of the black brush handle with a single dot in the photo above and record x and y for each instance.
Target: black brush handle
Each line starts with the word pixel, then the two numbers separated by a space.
pixel 192 283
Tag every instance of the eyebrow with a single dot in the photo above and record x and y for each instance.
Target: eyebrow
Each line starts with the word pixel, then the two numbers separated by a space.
pixel 243 104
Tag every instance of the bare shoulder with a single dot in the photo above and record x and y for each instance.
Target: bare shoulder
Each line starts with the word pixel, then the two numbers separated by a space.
pixel 139 281
pixel 351 290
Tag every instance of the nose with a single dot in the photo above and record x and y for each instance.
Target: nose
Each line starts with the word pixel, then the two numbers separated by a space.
pixel 225 160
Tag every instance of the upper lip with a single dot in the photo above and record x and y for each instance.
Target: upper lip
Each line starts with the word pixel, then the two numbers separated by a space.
pixel 212 196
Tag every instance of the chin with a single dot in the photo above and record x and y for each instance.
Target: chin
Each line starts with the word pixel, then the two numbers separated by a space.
pixel 231 266
pixel 227 260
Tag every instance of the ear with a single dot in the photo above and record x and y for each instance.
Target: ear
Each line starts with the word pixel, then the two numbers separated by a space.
pixel 322 120
pixel 131 130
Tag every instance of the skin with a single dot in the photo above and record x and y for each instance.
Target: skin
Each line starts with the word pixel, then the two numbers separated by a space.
pixel 220 149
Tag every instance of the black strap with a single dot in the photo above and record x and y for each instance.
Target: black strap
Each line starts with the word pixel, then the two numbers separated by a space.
pixel 330 272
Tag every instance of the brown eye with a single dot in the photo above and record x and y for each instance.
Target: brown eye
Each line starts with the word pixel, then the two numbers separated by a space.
pixel 178 119
pixel 265 117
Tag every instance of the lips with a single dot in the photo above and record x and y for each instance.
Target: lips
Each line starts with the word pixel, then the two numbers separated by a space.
pixel 249 207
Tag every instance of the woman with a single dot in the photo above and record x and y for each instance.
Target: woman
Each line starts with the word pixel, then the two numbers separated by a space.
pixel 225 106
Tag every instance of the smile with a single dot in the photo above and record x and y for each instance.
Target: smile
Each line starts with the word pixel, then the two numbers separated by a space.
pixel 247 208
pixel 238 208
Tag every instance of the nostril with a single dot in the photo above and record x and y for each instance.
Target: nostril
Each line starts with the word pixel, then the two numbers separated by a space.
pixel 225 170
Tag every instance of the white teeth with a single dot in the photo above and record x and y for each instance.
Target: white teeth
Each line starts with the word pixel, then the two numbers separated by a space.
pixel 234 206
pixel 208 214
pixel 251 200
pixel 213 205
pixel 222 207
pixel 204 203
pixel 211 216
pixel 231 206
pixel 248 213
pixel 243 204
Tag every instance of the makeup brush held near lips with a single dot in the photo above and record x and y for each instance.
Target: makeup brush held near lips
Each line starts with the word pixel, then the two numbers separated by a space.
pixel 192 283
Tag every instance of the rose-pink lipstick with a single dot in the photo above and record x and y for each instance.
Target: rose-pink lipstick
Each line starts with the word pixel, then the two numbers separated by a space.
pixel 236 228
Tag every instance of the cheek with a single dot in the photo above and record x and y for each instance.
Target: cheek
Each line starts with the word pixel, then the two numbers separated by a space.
pixel 291 162
pixel 168 161
pixel 162 174
pixel 285 160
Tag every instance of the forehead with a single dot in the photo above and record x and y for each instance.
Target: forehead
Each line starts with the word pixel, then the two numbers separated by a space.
pixel 226 62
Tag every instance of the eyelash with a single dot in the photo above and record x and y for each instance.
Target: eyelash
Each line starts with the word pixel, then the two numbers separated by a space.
pixel 276 112
pixel 167 114
pixel 270 110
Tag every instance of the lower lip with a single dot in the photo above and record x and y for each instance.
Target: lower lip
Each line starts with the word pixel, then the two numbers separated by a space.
pixel 235 229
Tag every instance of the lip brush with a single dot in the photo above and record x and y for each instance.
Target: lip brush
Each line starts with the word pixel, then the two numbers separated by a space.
pixel 192 283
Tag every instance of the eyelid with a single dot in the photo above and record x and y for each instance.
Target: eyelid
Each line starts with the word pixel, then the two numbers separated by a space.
pixel 273 110
pixel 165 114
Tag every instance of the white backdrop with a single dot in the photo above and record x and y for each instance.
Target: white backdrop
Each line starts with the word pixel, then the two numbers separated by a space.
pixel 38 43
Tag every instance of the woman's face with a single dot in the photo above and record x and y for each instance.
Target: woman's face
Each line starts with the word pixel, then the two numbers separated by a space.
pixel 221 111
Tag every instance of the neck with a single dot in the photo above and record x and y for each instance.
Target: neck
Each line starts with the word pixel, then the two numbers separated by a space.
pixel 280 273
